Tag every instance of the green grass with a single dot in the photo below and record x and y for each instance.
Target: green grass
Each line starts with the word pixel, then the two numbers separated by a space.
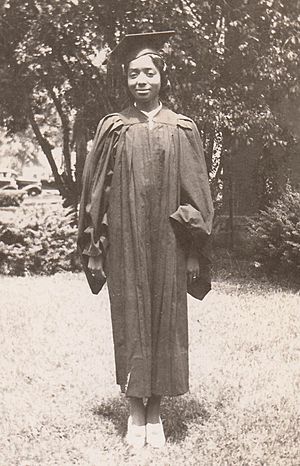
pixel 60 405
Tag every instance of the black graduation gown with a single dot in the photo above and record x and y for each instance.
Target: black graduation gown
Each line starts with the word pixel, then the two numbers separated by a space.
pixel 145 202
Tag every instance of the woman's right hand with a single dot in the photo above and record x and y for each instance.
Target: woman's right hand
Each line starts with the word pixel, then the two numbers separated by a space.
pixel 95 266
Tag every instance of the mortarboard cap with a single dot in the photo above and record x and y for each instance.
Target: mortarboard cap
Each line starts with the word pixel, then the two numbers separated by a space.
pixel 135 45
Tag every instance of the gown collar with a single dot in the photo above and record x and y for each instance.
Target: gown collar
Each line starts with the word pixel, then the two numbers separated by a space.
pixel 131 116
pixel 150 115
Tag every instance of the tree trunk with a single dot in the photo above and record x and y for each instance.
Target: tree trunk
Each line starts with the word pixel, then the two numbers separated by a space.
pixel 47 149
pixel 65 187
pixel 80 143
pixel 66 131
pixel 228 183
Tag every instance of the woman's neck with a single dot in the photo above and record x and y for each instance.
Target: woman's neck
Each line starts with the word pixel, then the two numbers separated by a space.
pixel 147 106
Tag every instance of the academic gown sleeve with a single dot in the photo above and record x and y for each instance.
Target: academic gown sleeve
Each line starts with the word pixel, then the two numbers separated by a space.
pixel 192 221
pixel 98 170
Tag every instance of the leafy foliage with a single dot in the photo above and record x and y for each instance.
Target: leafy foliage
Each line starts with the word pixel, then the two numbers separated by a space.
pixel 277 235
pixel 38 242
pixel 11 199
pixel 19 150
pixel 234 69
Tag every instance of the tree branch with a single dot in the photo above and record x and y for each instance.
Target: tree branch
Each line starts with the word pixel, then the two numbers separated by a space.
pixel 47 149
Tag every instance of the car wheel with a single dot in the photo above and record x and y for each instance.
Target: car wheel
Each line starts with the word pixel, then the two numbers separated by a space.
pixel 33 192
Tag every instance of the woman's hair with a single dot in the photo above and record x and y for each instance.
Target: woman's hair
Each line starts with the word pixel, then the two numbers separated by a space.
pixel 162 68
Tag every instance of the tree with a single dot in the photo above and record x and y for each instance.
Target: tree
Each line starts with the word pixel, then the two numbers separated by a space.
pixel 235 70
pixel 45 65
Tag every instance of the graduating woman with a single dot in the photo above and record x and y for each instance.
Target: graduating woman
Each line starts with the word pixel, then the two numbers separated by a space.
pixel 145 220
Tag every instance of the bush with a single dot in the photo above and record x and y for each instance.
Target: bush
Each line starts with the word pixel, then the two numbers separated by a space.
pixel 11 198
pixel 277 235
pixel 39 242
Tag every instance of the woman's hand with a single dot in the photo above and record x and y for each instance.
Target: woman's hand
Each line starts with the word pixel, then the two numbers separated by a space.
pixel 193 266
pixel 95 266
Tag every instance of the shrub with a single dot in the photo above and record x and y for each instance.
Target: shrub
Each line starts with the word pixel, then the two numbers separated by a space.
pixel 277 235
pixel 39 242
pixel 11 198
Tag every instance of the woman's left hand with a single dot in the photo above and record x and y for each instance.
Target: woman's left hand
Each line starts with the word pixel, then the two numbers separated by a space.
pixel 193 266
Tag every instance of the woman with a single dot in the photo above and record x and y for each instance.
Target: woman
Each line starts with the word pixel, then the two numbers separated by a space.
pixel 145 218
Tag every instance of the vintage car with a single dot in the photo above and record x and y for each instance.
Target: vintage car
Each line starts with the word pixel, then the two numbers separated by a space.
pixel 8 178
pixel 10 181
pixel 32 187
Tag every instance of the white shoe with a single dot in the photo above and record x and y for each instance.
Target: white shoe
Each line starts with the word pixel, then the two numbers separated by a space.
pixel 136 435
pixel 155 435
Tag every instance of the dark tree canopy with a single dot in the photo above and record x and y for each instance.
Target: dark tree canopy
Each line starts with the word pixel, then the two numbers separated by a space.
pixel 234 69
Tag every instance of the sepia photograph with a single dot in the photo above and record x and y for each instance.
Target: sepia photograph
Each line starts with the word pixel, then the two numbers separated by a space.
pixel 150 232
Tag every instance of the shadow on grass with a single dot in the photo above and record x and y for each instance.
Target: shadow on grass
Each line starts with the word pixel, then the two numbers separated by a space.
pixel 177 414
pixel 115 410
pixel 238 266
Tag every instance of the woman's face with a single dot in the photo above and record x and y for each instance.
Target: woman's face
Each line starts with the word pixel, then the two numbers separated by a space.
pixel 143 79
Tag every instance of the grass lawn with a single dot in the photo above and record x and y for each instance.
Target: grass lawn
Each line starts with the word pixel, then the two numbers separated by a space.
pixel 60 405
